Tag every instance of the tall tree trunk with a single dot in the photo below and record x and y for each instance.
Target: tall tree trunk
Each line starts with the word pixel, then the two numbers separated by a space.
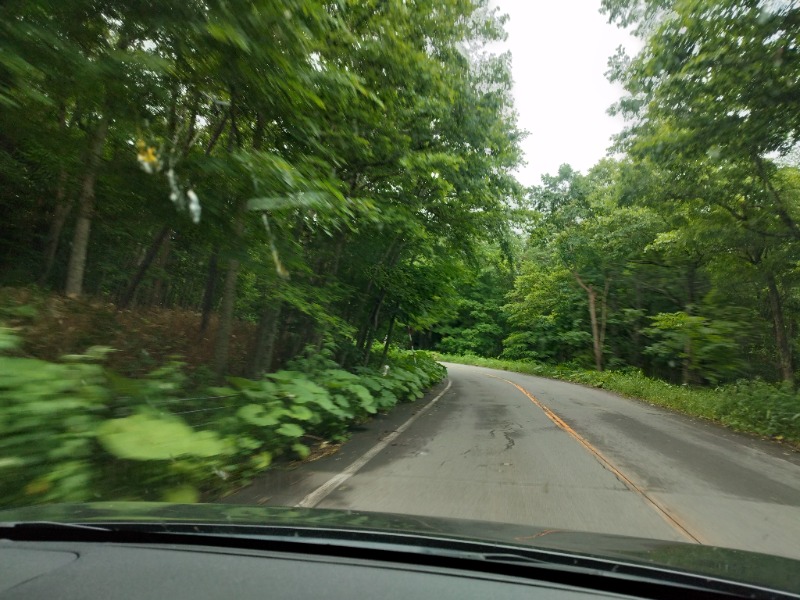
pixel 388 341
pixel 225 325
pixel 209 289
pixel 80 238
pixel 161 284
pixel 636 335
pixel 597 339
pixel 687 366
pixel 372 327
pixel 781 339
pixel 390 257
pixel 604 313
pixel 61 212
pixel 267 333
pixel 152 252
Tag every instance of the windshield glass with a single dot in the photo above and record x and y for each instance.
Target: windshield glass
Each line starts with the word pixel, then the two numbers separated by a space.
pixel 519 262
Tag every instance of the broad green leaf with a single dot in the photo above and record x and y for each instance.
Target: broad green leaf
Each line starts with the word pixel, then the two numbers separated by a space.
pixel 291 430
pixel 257 414
pixel 149 437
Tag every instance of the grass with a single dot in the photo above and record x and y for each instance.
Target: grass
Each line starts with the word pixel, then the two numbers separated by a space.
pixel 749 406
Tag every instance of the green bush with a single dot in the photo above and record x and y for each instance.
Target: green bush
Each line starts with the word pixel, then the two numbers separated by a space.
pixel 75 431
pixel 763 408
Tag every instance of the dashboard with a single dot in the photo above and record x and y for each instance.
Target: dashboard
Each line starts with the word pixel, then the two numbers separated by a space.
pixel 80 570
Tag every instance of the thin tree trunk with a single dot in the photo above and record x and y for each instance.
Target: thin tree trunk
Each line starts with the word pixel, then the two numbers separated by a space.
pixel 366 329
pixel 388 341
pixel 604 313
pixel 189 141
pixel 63 208
pixel 781 339
pixel 61 212
pixel 636 334
pixel 209 289
pixel 266 335
pixel 161 284
pixel 152 252
pixel 225 326
pixel 80 238
pixel 687 366
pixel 597 342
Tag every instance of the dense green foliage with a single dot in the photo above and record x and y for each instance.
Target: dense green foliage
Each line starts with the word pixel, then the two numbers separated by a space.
pixel 681 257
pixel 322 169
pixel 74 431
pixel 298 182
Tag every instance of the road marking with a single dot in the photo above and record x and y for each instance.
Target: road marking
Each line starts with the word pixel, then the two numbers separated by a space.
pixel 670 519
pixel 319 494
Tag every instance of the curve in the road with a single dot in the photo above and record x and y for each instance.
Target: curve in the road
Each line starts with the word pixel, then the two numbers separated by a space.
pixel 563 425
pixel 485 450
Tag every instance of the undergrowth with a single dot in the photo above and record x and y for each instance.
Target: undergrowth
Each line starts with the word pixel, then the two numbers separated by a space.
pixel 76 430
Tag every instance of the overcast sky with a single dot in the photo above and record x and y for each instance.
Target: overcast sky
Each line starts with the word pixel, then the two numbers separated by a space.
pixel 560 50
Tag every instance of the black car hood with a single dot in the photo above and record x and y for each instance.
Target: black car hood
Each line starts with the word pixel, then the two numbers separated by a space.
pixel 720 563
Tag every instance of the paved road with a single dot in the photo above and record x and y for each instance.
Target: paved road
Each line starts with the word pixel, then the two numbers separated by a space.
pixel 505 447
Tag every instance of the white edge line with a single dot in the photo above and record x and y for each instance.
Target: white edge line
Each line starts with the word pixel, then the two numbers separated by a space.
pixel 319 494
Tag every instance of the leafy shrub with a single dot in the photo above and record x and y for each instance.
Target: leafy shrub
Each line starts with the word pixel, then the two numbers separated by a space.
pixel 772 410
pixel 48 419
pixel 76 431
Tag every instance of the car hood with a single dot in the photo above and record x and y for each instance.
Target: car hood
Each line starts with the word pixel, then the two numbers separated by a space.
pixel 720 563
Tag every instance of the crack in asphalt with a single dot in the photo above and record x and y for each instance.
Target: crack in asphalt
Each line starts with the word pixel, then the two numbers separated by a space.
pixel 506 431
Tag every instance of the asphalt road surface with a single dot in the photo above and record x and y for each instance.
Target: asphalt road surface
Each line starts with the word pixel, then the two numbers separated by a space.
pixel 498 446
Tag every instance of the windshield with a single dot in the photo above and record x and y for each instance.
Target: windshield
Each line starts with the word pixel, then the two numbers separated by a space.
pixel 519 262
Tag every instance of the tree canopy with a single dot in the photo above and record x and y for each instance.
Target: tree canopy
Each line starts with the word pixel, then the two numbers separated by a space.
pixel 323 170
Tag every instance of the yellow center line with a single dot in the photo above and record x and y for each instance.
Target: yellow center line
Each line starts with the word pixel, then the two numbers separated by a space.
pixel 669 518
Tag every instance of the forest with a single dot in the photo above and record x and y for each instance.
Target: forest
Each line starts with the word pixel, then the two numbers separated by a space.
pixel 322 170
pixel 678 254
pixel 279 204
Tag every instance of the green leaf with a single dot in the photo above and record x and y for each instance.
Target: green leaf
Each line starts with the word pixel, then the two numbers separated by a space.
pixel 301 413
pixel 302 450
pixel 257 414
pixel 261 461
pixel 149 437
pixel 291 430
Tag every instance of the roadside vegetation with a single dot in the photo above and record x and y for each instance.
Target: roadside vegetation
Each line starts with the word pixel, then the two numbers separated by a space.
pixel 74 430
pixel 228 226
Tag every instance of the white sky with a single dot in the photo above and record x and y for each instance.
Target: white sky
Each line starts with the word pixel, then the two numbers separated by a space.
pixel 560 51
